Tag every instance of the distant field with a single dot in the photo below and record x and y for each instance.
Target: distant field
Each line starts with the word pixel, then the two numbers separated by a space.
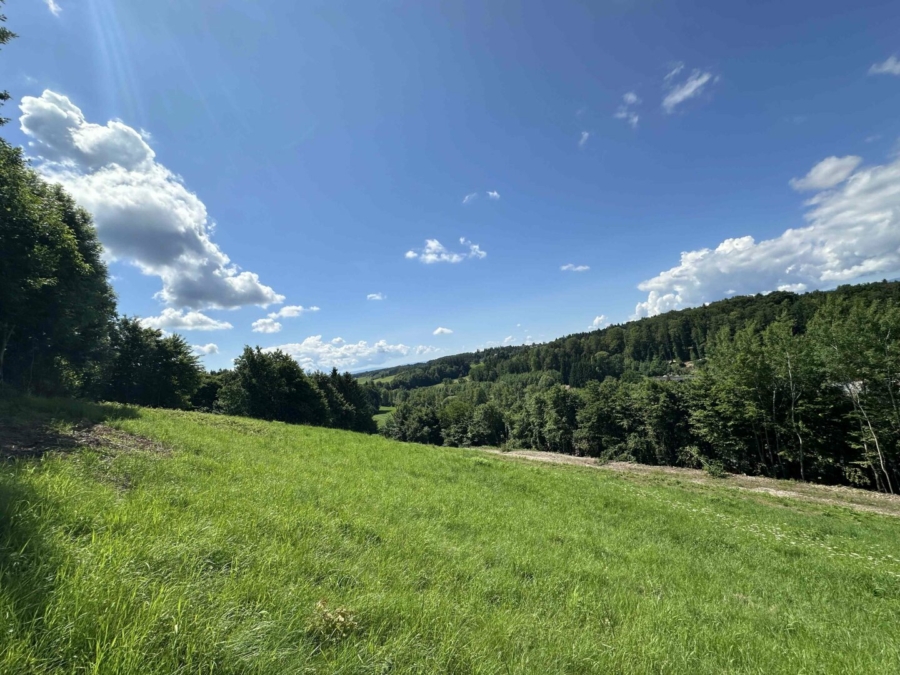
pixel 383 414
pixel 206 544
pixel 385 379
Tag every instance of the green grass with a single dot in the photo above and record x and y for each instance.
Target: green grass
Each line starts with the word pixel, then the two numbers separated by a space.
pixel 383 415
pixel 212 559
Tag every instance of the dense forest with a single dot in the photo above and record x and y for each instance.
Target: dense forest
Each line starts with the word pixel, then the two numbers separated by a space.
pixel 785 385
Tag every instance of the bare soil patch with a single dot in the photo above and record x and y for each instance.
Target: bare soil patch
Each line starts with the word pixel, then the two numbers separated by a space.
pixel 24 439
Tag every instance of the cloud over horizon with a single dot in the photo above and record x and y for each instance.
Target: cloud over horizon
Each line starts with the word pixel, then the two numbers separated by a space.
pixel 173 319
pixel 143 212
pixel 852 234
pixel 315 354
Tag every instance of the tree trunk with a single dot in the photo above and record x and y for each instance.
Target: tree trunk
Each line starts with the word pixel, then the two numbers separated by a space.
pixel 7 333
pixel 874 436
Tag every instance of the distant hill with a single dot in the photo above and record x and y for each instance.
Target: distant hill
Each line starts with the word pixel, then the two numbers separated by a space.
pixel 645 345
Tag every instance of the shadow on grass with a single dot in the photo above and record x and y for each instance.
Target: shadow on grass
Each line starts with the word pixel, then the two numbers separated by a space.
pixel 28 558
pixel 31 426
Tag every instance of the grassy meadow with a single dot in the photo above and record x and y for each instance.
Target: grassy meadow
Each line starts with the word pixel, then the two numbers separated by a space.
pixel 224 545
pixel 383 415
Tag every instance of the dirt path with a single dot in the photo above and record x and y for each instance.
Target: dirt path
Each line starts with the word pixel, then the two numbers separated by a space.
pixel 834 495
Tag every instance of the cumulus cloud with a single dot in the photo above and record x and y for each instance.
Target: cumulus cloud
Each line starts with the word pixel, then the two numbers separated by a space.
pixel 690 88
pixel 585 135
pixel 493 194
pixel 143 212
pixel 474 249
pixel 889 67
pixel 316 354
pixel 54 8
pixel 291 311
pixel 266 326
pixel 574 268
pixel 376 296
pixel 206 350
pixel 852 234
pixel 599 322
pixel 508 339
pixel 826 174
pixel 173 319
pixel 469 198
pixel 435 252
pixel 626 110
pixel 440 330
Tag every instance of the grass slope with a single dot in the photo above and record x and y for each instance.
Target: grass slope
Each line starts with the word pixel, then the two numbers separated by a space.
pixel 213 556
pixel 384 413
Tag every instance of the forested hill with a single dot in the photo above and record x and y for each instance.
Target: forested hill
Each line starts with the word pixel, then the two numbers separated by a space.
pixel 645 346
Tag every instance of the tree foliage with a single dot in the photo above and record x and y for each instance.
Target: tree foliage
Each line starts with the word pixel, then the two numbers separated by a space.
pixel 811 392
pixel 145 367
pixel 56 304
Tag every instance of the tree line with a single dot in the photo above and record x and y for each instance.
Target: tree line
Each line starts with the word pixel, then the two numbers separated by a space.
pixel 644 347
pixel 811 395
pixel 60 333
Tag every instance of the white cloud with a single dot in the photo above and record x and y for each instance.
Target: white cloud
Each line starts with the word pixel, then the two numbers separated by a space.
pixel 852 234
pixel 493 194
pixel 599 322
pixel 629 116
pixel 469 198
pixel 676 69
pixel 143 212
pixel 173 319
pixel 508 339
pixel 474 249
pixel 206 350
pixel 266 326
pixel 376 296
pixel 291 311
pixel 574 268
pixel 688 89
pixel 442 331
pixel 315 354
pixel 585 135
pixel 625 111
pixel 54 8
pixel 435 252
pixel 826 174
pixel 889 67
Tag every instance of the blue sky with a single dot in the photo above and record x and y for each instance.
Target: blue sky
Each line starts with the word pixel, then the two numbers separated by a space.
pixel 237 154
